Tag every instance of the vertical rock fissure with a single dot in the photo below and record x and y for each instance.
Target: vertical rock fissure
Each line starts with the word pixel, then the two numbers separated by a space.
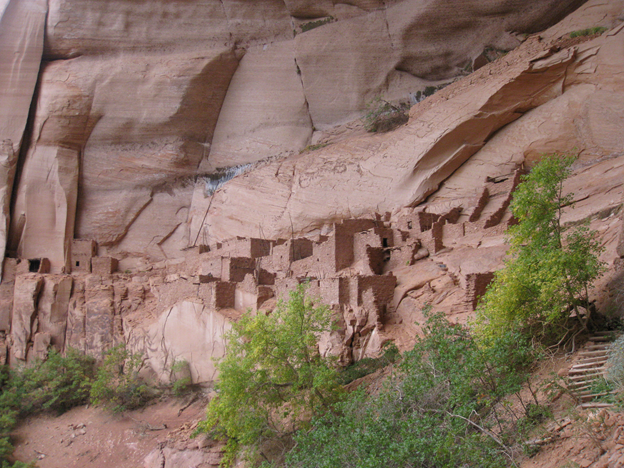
pixel 305 98
pixel 385 10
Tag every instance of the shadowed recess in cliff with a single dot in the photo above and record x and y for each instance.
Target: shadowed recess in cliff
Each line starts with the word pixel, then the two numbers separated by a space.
pixel 218 179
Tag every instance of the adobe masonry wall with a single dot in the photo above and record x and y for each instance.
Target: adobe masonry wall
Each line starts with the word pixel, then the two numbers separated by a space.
pixel 477 284
pixel 241 247
pixel 82 251
pixel 103 265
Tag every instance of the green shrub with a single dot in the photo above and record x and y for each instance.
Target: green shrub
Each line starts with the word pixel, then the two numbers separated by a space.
pixel 550 267
pixel 315 24
pixel 118 384
pixel 272 378
pixel 437 411
pixel 615 365
pixel 182 382
pixel 588 31
pixel 58 384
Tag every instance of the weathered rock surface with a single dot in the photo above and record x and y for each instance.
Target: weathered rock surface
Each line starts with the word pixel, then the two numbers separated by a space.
pixel 27 288
pixel 128 107
pixel 141 102
pixel 22 28
pixel 189 331
pixel 303 192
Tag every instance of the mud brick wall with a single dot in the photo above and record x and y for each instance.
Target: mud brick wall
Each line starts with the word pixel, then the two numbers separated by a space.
pixel 283 286
pixel 265 277
pixel 325 255
pixel 374 260
pixel 382 287
pixel 210 266
pixel 402 256
pixel 259 248
pixel 82 251
pixel 351 226
pixel 223 295
pixel 103 265
pixel 301 248
pixel 305 267
pixel 281 257
pixel 334 291
pixel 342 244
pixel 426 220
pixel 234 269
pixel 481 202
pixel 476 285
pixel 362 240
pixel 453 215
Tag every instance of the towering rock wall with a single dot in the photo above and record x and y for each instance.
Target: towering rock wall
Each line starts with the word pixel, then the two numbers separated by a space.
pixel 22 27
pixel 141 104
pixel 136 99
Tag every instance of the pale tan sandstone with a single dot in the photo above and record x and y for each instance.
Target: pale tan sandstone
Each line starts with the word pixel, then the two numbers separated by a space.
pixel 99 317
pixel 368 173
pixel 135 109
pixel 86 27
pixel 155 113
pixel 264 113
pixel 403 48
pixel 75 337
pixel 188 331
pixel 583 120
pixel 53 307
pixel 22 28
pixel 27 288
pixel 441 38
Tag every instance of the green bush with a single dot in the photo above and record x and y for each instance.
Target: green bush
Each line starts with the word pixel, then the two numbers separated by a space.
pixel 588 31
pixel 550 267
pixel 615 364
pixel 118 384
pixel 182 382
pixel 272 378
pixel 442 409
pixel 315 24
pixel 58 384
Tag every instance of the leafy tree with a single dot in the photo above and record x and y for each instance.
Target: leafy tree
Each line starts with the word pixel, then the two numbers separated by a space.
pixel 441 408
pixel 272 378
pixel 551 266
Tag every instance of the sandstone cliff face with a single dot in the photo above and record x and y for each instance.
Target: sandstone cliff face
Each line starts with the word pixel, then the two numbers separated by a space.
pixel 136 99
pixel 141 105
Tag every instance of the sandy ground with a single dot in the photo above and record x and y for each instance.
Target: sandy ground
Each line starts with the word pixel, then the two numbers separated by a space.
pixel 89 437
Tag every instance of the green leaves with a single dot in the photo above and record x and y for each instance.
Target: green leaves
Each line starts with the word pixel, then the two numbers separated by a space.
pixel 57 384
pixel 435 411
pixel 550 266
pixel 118 384
pixel 272 378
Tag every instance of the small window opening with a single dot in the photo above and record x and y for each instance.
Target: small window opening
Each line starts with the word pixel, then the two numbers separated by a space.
pixel 34 265
pixel 77 264
pixel 384 242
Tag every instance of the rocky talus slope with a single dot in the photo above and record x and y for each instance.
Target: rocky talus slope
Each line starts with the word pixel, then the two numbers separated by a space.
pixel 167 165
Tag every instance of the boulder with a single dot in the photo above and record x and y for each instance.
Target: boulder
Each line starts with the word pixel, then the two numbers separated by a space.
pixel 27 288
